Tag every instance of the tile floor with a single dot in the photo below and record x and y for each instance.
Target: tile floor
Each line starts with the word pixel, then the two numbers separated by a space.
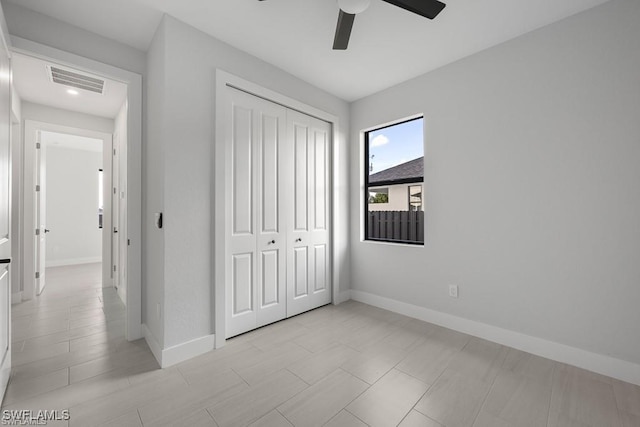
pixel 341 366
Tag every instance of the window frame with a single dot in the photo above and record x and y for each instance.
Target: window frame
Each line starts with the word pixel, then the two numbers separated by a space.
pixel 367 164
pixel 421 185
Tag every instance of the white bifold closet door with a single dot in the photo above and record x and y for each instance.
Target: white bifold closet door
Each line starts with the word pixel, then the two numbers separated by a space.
pixel 308 208
pixel 277 212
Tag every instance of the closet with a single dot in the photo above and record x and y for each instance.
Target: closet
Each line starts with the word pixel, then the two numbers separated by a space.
pixel 277 219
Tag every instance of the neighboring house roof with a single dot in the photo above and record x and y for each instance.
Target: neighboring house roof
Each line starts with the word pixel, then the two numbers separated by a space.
pixel 411 171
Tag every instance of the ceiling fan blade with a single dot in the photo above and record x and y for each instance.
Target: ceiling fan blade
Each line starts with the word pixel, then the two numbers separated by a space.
pixel 343 30
pixel 427 8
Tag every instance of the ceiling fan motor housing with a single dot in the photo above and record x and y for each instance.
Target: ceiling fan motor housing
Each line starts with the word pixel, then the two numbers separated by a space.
pixel 354 6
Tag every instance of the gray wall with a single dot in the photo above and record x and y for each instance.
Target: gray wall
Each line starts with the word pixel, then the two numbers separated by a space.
pixel 153 188
pixel 186 142
pixel 531 179
pixel 46 114
pixel 34 26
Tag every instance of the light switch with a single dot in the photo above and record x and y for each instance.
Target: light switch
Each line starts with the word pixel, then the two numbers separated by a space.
pixel 158 219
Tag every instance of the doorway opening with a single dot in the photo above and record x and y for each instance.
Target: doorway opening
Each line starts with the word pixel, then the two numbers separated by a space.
pixel 72 214
pixel 95 135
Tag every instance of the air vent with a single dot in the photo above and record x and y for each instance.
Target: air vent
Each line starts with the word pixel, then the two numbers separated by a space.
pixel 76 80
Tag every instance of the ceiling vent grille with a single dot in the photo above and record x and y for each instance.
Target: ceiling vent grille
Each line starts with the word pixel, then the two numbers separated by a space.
pixel 76 80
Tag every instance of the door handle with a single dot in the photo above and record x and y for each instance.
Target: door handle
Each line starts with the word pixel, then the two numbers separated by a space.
pixel 298 239
pixel 46 230
pixel 5 261
pixel 271 242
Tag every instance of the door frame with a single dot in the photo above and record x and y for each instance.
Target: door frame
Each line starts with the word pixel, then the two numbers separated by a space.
pixel 219 246
pixel 134 164
pixel 31 128
pixel 5 364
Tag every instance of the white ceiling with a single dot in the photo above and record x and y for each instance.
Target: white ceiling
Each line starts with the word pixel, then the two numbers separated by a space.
pixel 32 82
pixel 74 142
pixel 388 44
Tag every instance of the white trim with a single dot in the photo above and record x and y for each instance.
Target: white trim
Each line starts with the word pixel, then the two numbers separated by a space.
pixel 180 352
pixel 31 127
pixel 343 296
pixel 134 164
pixel 187 350
pixel 4 34
pixel 16 298
pixel 72 261
pixel 605 365
pixel 218 207
pixel 153 344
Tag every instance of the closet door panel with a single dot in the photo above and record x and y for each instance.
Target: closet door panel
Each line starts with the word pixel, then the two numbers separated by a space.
pixel 320 268
pixel 270 279
pixel 242 284
pixel 308 240
pixel 301 176
pixel 256 272
pixel 270 243
pixel 301 272
pixel 269 177
pixel 319 198
pixel 320 186
pixel 242 170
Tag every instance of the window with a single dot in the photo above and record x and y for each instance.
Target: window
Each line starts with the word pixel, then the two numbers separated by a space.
pixel 378 195
pixel 415 197
pixel 394 175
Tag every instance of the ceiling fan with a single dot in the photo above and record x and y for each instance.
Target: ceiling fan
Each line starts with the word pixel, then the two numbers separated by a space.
pixel 350 8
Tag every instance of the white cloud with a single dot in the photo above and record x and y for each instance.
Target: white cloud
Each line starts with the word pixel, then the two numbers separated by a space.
pixel 379 140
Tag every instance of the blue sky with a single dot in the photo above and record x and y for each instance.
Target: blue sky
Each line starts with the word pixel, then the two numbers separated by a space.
pixel 396 144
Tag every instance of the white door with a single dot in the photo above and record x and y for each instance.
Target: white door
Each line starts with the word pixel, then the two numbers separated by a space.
pixel 255 257
pixel 5 223
pixel 308 278
pixel 115 212
pixel 122 219
pixel 40 213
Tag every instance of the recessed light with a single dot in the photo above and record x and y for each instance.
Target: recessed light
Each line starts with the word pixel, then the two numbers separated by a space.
pixel 72 92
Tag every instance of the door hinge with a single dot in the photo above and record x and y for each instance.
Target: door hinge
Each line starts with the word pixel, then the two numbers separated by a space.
pixel 128 242
pixel 114 190
pixel 114 151
pixel 37 231
pixel 37 145
pixel 37 188
pixel 37 274
pixel 114 268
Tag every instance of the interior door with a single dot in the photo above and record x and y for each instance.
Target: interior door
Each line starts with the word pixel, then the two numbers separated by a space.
pixel 5 222
pixel 256 245
pixel 308 256
pixel 41 212
pixel 115 211
pixel 122 221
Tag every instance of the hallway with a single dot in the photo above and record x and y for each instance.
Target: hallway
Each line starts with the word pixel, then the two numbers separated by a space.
pixel 68 343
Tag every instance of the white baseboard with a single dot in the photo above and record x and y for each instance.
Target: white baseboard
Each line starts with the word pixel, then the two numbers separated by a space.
pixel 122 294
pixel 187 350
pixel 343 296
pixel 178 353
pixel 72 261
pixel 153 344
pixel 16 298
pixel 605 365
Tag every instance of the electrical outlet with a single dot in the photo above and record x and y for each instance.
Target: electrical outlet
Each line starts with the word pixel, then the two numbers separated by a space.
pixel 453 291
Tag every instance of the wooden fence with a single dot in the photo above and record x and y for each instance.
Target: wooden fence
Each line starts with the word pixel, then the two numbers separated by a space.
pixel 402 226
